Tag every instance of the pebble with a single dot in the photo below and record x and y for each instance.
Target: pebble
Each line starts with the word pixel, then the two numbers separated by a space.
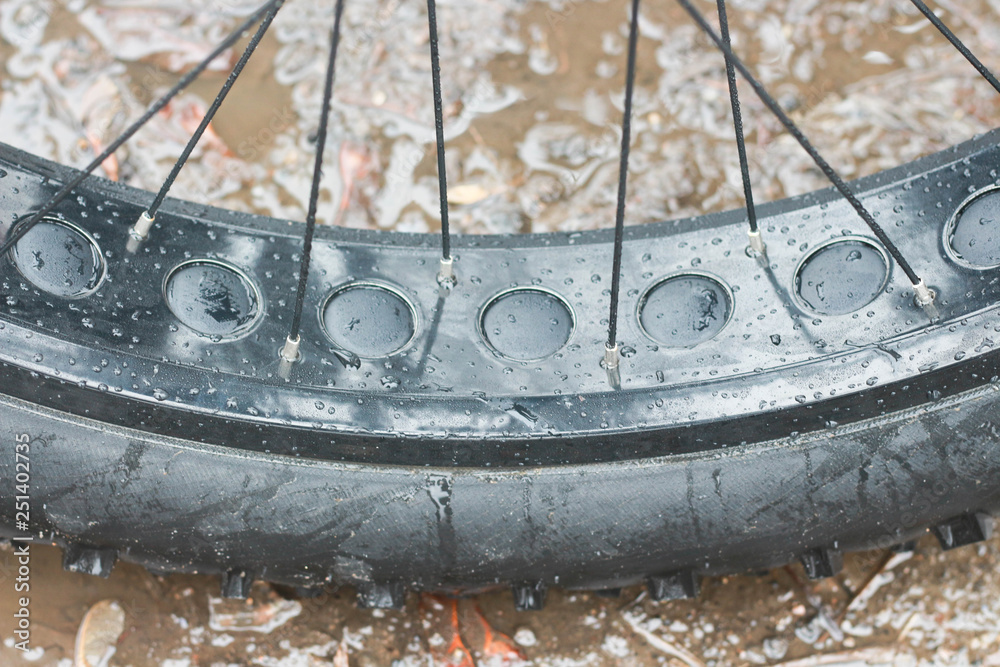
pixel 525 637
pixel 775 648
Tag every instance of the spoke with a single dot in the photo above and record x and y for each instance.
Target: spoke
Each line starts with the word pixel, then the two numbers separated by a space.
pixel 957 43
pixel 141 229
pixel 290 351
pixel 924 296
pixel 611 349
pixel 756 241
pixel 446 274
pixel 157 106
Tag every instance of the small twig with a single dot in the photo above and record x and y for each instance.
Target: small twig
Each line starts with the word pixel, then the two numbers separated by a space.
pixel 827 621
pixel 662 644
pixel 340 658
pixel 869 656
pixel 866 584
pixel 910 622
pixel 880 567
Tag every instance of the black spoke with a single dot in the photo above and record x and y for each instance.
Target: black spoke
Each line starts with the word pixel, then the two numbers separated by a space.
pixel 290 351
pixel 145 222
pixel 734 99
pixel 924 296
pixel 611 348
pixel 447 272
pixel 156 107
pixel 957 43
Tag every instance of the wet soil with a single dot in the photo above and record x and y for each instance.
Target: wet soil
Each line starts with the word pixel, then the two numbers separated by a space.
pixel 925 608
pixel 532 94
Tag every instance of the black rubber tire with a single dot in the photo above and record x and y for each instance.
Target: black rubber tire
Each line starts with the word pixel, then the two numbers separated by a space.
pixel 194 484
pixel 176 506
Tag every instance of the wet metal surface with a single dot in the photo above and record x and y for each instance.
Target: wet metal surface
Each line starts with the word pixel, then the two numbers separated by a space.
pixel 770 341
pixel 527 324
pixel 60 259
pixel 684 310
pixel 370 320
pixel 842 276
pixel 212 298
pixel 974 235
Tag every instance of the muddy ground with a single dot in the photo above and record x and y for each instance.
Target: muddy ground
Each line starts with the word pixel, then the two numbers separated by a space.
pixel 533 99
pixel 923 608
pixel 532 102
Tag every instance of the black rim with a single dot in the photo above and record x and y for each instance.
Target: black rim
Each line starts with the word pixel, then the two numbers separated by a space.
pixel 439 410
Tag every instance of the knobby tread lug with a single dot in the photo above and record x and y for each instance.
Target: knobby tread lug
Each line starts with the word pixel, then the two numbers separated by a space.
pixel 964 529
pixel 679 585
pixel 381 595
pixel 529 596
pixel 96 561
pixel 822 563
pixel 236 584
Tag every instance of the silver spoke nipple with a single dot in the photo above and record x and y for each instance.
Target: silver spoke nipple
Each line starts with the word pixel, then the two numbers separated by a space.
pixel 925 297
pixel 140 230
pixel 446 274
pixel 924 294
pixel 611 358
pixel 757 242
pixel 611 363
pixel 290 351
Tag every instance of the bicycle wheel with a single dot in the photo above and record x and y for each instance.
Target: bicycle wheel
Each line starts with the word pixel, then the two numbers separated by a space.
pixel 444 421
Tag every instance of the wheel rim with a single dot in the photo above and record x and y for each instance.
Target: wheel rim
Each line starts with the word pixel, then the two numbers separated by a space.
pixel 458 423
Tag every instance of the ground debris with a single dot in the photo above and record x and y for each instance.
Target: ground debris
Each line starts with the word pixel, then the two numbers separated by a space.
pixel 867 657
pixel 660 644
pixel 264 611
pixel 97 638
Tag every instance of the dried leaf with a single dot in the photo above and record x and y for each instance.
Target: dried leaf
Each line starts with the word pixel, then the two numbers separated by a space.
pixel 98 635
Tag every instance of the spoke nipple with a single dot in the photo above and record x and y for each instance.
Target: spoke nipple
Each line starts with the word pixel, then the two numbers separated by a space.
pixel 923 294
pixel 290 351
pixel 611 363
pixel 446 274
pixel 757 244
pixel 287 357
pixel 140 230
pixel 925 297
pixel 611 358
